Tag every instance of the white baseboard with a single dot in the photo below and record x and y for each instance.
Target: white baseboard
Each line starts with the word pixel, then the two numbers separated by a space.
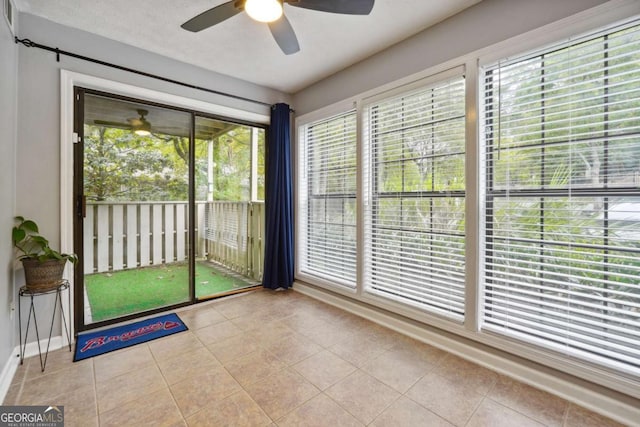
pixel 8 371
pixel 31 348
pixel 12 363
pixel 496 360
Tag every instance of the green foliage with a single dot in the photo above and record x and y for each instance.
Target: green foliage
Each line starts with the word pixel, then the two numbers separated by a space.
pixel 32 245
pixel 122 166
pixel 568 120
pixel 419 154
pixel 230 177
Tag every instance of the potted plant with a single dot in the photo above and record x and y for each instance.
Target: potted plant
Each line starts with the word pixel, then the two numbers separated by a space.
pixel 43 266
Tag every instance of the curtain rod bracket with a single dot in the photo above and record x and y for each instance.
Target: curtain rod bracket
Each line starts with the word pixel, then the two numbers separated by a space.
pixel 26 42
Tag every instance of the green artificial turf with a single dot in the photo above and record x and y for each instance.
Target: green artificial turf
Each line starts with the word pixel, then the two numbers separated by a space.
pixel 132 291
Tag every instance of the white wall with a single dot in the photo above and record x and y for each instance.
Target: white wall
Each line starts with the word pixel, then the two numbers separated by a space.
pixel 8 99
pixel 38 130
pixel 483 24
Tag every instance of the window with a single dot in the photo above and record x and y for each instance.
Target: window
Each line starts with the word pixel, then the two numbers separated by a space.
pixel 562 137
pixel 505 209
pixel 327 204
pixel 415 216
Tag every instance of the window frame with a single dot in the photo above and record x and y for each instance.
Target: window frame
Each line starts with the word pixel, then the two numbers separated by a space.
pixel 300 197
pixel 370 183
pixel 545 192
pixel 588 23
pixel 304 196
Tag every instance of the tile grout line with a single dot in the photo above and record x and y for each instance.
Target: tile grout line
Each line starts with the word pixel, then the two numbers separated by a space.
pixel 22 381
pixel 302 403
pixel 242 387
pixel 95 390
pixel 522 413
pixel 164 379
pixel 565 416
pixel 346 410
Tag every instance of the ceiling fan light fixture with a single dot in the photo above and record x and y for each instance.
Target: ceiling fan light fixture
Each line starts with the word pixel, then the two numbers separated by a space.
pixel 141 125
pixel 143 129
pixel 264 10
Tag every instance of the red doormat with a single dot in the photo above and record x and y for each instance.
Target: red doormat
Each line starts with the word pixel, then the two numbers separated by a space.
pixel 92 344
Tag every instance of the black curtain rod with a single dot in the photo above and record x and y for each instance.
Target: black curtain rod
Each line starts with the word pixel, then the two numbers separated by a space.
pixel 58 52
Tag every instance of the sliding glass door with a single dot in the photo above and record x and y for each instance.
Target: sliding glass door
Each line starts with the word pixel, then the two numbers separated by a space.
pixel 135 215
pixel 229 194
pixel 158 224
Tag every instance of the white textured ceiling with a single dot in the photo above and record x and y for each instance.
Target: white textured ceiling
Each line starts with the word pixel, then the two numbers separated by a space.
pixel 244 48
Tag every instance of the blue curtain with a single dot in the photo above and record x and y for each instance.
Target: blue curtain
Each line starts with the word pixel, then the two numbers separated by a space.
pixel 278 253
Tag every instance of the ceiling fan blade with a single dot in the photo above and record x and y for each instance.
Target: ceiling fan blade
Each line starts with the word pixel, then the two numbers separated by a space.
pixel 286 38
pixel 211 17
pixel 347 7
pixel 112 124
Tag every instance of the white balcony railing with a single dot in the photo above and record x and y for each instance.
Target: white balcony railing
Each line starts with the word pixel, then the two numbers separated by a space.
pixel 127 235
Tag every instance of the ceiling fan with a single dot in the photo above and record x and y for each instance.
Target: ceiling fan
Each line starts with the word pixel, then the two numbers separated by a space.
pixel 138 125
pixel 271 12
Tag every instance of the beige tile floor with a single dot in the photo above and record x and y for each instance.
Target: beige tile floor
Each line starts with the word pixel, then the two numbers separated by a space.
pixel 282 359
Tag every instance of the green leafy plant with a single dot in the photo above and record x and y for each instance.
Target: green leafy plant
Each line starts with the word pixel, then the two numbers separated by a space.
pixel 28 241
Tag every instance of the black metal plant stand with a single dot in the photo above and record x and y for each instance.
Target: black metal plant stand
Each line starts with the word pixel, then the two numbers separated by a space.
pixel 28 293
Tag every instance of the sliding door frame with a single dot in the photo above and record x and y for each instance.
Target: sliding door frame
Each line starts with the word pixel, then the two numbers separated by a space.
pixel 71 134
pixel 80 210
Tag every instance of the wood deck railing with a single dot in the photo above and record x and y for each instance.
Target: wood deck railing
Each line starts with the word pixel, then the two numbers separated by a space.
pixel 126 235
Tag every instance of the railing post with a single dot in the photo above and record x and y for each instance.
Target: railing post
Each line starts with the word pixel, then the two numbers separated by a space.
pixel 202 212
pixel 89 240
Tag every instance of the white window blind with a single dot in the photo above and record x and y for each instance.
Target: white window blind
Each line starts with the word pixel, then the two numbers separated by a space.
pixel 328 200
pixel 562 255
pixel 415 209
